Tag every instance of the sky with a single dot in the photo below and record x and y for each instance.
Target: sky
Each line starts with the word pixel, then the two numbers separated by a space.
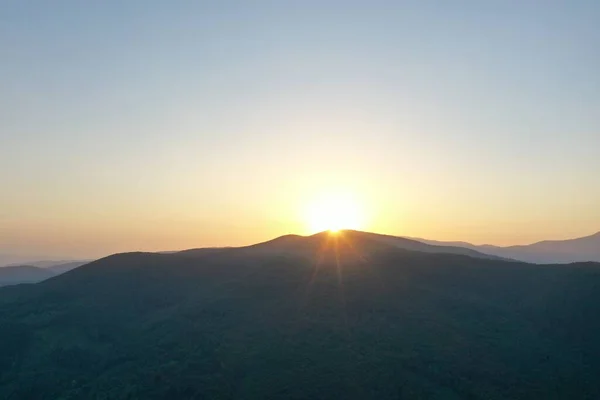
pixel 159 125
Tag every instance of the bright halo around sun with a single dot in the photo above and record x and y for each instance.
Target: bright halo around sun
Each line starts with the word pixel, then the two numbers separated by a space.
pixel 333 212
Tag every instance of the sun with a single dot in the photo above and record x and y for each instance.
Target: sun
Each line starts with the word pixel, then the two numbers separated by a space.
pixel 333 212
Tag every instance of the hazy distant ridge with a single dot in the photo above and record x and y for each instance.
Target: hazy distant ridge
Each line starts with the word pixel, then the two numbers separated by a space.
pixel 17 274
pixel 582 249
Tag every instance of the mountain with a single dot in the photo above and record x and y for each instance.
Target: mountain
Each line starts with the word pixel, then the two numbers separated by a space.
pixel 292 243
pixel 549 251
pixel 12 260
pixel 347 316
pixel 17 274
pixel 49 263
pixel 7 259
pixel 415 245
pixel 23 274
pixel 64 267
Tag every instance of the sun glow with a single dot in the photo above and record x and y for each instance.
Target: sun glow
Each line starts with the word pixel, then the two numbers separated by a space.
pixel 334 212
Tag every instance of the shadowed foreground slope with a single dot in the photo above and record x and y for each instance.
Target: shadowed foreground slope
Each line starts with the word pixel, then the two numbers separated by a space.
pixel 303 318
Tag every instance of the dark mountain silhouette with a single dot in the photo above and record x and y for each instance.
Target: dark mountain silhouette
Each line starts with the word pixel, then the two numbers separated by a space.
pixel 415 245
pixel 326 316
pixel 295 243
pixel 23 274
pixel 548 251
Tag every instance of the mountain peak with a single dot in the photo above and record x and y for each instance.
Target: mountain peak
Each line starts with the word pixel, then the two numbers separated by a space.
pixel 348 243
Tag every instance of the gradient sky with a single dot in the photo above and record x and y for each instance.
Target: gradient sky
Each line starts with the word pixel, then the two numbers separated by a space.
pixel 151 125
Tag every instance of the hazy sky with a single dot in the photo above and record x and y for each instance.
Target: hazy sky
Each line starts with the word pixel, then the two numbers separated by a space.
pixel 150 125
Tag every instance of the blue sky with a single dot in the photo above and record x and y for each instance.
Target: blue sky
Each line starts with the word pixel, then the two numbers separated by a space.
pixel 143 124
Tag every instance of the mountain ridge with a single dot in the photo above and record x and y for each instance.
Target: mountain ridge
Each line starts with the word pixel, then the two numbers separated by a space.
pixel 18 274
pixel 281 243
pixel 333 318
pixel 564 251
pixel 13 275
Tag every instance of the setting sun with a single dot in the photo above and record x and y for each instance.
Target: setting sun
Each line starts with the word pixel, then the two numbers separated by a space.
pixel 334 212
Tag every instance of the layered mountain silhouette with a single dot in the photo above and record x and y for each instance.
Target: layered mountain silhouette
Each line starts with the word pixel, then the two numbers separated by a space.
pixel 548 251
pixel 63 267
pixel 9 259
pixel 289 244
pixel 17 274
pixel 352 316
pixel 13 275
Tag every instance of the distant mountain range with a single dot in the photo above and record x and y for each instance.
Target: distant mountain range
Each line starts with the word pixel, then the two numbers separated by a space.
pixel 350 316
pixel 545 252
pixel 548 251
pixel 7 259
pixel 17 274
pixel 23 274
